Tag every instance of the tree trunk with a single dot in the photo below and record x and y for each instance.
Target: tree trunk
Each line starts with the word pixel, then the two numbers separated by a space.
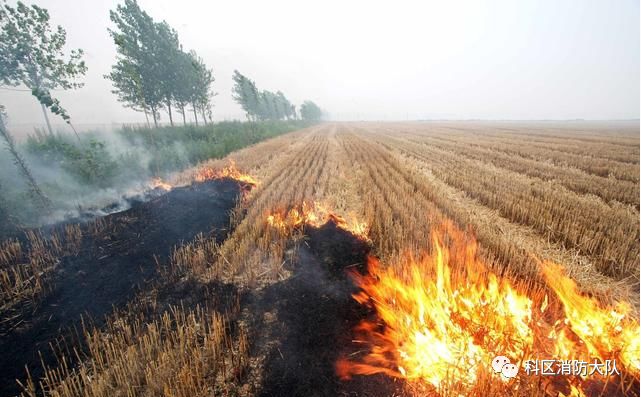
pixel 38 84
pixel 44 111
pixel 153 114
pixel 195 115
pixel 151 137
pixel 171 119
pixel 21 163
pixel 182 109
pixel 147 117
pixel 204 116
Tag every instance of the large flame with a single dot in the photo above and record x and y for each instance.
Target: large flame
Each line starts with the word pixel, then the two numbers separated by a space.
pixel 208 173
pixel 441 318
pixel 314 214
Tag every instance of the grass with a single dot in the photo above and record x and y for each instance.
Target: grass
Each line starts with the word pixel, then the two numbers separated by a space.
pixel 101 167
pixel 87 161
pixel 174 148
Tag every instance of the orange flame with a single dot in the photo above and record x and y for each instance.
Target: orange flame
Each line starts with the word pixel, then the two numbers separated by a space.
pixel 574 392
pixel 158 183
pixel 604 332
pixel 315 215
pixel 443 317
pixel 208 173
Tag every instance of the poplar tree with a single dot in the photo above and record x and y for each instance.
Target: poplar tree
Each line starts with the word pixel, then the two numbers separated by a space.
pixel 31 54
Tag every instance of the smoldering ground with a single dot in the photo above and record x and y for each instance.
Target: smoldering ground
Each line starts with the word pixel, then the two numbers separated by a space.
pixel 112 265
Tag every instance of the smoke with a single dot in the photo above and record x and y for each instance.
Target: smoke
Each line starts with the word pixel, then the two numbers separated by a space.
pixel 70 180
pixel 104 202
pixel 102 171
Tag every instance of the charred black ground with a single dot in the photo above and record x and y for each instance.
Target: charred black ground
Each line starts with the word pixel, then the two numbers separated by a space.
pixel 112 266
pixel 315 317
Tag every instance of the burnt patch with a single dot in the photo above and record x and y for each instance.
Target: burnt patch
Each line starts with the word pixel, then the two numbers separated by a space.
pixel 314 317
pixel 114 263
pixel 338 249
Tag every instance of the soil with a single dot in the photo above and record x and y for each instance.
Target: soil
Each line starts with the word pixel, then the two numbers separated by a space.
pixel 111 267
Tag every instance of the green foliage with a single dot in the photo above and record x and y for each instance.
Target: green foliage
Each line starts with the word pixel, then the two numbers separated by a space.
pixel 174 148
pixel 31 53
pixel 200 91
pixel 260 105
pixel 72 173
pixel 88 161
pixel 136 72
pixel 152 72
pixel 310 111
pixel 192 86
pixel 44 97
pixel 96 163
pixel 7 227
pixel 245 94
pixel 41 200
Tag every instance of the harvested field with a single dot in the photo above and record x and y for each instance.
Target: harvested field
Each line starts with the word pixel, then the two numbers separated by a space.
pixel 361 259
pixel 116 256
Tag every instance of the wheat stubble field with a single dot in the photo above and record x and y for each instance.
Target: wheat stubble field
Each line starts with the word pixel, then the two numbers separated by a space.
pixel 370 259
pixel 563 192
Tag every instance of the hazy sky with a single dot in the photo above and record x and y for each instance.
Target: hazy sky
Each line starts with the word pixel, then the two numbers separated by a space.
pixel 382 60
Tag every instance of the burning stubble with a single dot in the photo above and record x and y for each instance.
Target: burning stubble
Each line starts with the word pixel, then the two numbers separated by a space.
pixel 442 317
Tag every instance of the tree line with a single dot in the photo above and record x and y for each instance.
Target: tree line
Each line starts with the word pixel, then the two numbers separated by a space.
pixel 266 105
pixel 152 72
pixel 260 105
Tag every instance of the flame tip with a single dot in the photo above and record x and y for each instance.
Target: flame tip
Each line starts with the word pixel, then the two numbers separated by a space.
pixel 315 214
pixel 207 173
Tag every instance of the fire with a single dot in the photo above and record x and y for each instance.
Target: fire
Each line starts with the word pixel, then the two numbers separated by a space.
pixel 437 322
pixel 158 183
pixel 208 173
pixel 574 392
pixel 605 332
pixel 314 214
pixel 441 318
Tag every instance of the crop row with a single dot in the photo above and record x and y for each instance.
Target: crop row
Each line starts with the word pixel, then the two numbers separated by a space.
pixel 607 233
